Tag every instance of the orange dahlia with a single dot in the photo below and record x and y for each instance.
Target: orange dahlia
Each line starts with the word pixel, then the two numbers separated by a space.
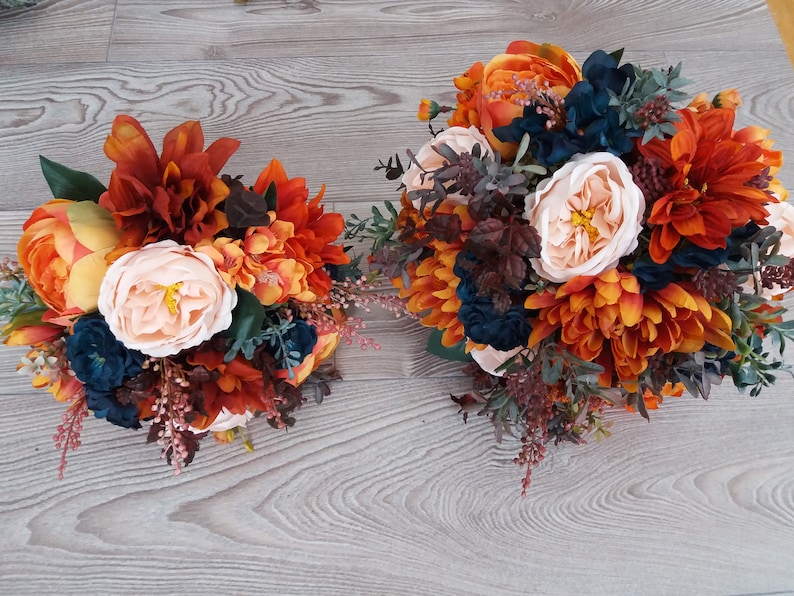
pixel 433 282
pixel 606 319
pixel 309 243
pixel 713 172
pixel 172 196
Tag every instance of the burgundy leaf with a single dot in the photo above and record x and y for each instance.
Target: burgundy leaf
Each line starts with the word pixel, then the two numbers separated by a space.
pixel 524 240
pixel 489 231
pixel 514 269
pixel 244 207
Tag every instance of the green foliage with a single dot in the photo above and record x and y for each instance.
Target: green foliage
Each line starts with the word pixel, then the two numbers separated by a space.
pixel 456 353
pixel 20 306
pixel 379 228
pixel 651 86
pixel 247 320
pixel 254 325
pixel 66 183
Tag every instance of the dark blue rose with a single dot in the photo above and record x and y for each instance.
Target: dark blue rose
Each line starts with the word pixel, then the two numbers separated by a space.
pixel 300 338
pixel 484 325
pixel 102 363
pixel 99 360
pixel 105 405
pixel 651 275
pixel 466 290
pixel 655 276
pixel 591 123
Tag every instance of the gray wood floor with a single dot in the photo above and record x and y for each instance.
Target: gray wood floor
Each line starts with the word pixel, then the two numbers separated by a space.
pixel 382 489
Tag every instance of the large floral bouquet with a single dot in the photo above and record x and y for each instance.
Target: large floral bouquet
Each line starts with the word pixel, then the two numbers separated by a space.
pixel 176 295
pixel 589 241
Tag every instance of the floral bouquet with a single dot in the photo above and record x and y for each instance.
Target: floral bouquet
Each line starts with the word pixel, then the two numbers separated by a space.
pixel 589 241
pixel 178 296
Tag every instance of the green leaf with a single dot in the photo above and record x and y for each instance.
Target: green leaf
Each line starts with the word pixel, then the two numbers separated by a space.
pixel 271 197
pixel 247 317
pixel 456 353
pixel 66 183
pixel 617 55
pixel 27 319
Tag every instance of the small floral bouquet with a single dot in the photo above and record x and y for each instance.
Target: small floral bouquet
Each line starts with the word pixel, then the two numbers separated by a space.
pixel 589 241
pixel 178 296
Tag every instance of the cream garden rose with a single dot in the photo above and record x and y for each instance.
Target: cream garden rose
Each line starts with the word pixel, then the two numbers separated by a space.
pixel 490 359
pixel 458 138
pixel 164 298
pixel 588 215
pixel 225 420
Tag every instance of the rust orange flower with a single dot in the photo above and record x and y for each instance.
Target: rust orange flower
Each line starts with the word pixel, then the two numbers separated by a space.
pixel 468 85
pixel 606 319
pixel 712 173
pixel 727 98
pixel 499 98
pixel 653 401
pixel 238 388
pixel 311 241
pixel 175 195
pixel 433 283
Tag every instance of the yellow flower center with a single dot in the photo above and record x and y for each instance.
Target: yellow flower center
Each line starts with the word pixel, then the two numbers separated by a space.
pixel 583 218
pixel 169 298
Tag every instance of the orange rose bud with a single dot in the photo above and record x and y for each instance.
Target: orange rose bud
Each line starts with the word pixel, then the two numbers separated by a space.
pixel 428 109
pixel 728 98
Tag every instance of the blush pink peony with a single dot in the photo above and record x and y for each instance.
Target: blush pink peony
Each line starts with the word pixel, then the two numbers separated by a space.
pixel 164 298
pixel 588 215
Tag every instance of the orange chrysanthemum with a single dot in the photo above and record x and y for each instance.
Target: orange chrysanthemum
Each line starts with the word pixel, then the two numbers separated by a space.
pixel 433 282
pixel 310 242
pixel 172 196
pixel 712 170
pixel 606 319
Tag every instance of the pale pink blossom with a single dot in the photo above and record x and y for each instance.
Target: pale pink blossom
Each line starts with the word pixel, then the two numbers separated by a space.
pixel 164 298
pixel 225 420
pixel 588 215
pixel 490 359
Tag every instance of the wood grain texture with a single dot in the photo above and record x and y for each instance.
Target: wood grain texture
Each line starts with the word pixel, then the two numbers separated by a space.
pixel 382 489
pixel 57 31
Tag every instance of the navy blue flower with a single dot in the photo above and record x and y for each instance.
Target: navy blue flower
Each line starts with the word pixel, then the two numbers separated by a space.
pixel 102 363
pixel 99 360
pixel 105 405
pixel 591 123
pixel 655 276
pixel 300 338
pixel 482 323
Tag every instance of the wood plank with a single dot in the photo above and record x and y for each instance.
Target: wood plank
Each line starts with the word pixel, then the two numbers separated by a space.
pixel 382 489
pixel 152 30
pixel 57 32
pixel 327 119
